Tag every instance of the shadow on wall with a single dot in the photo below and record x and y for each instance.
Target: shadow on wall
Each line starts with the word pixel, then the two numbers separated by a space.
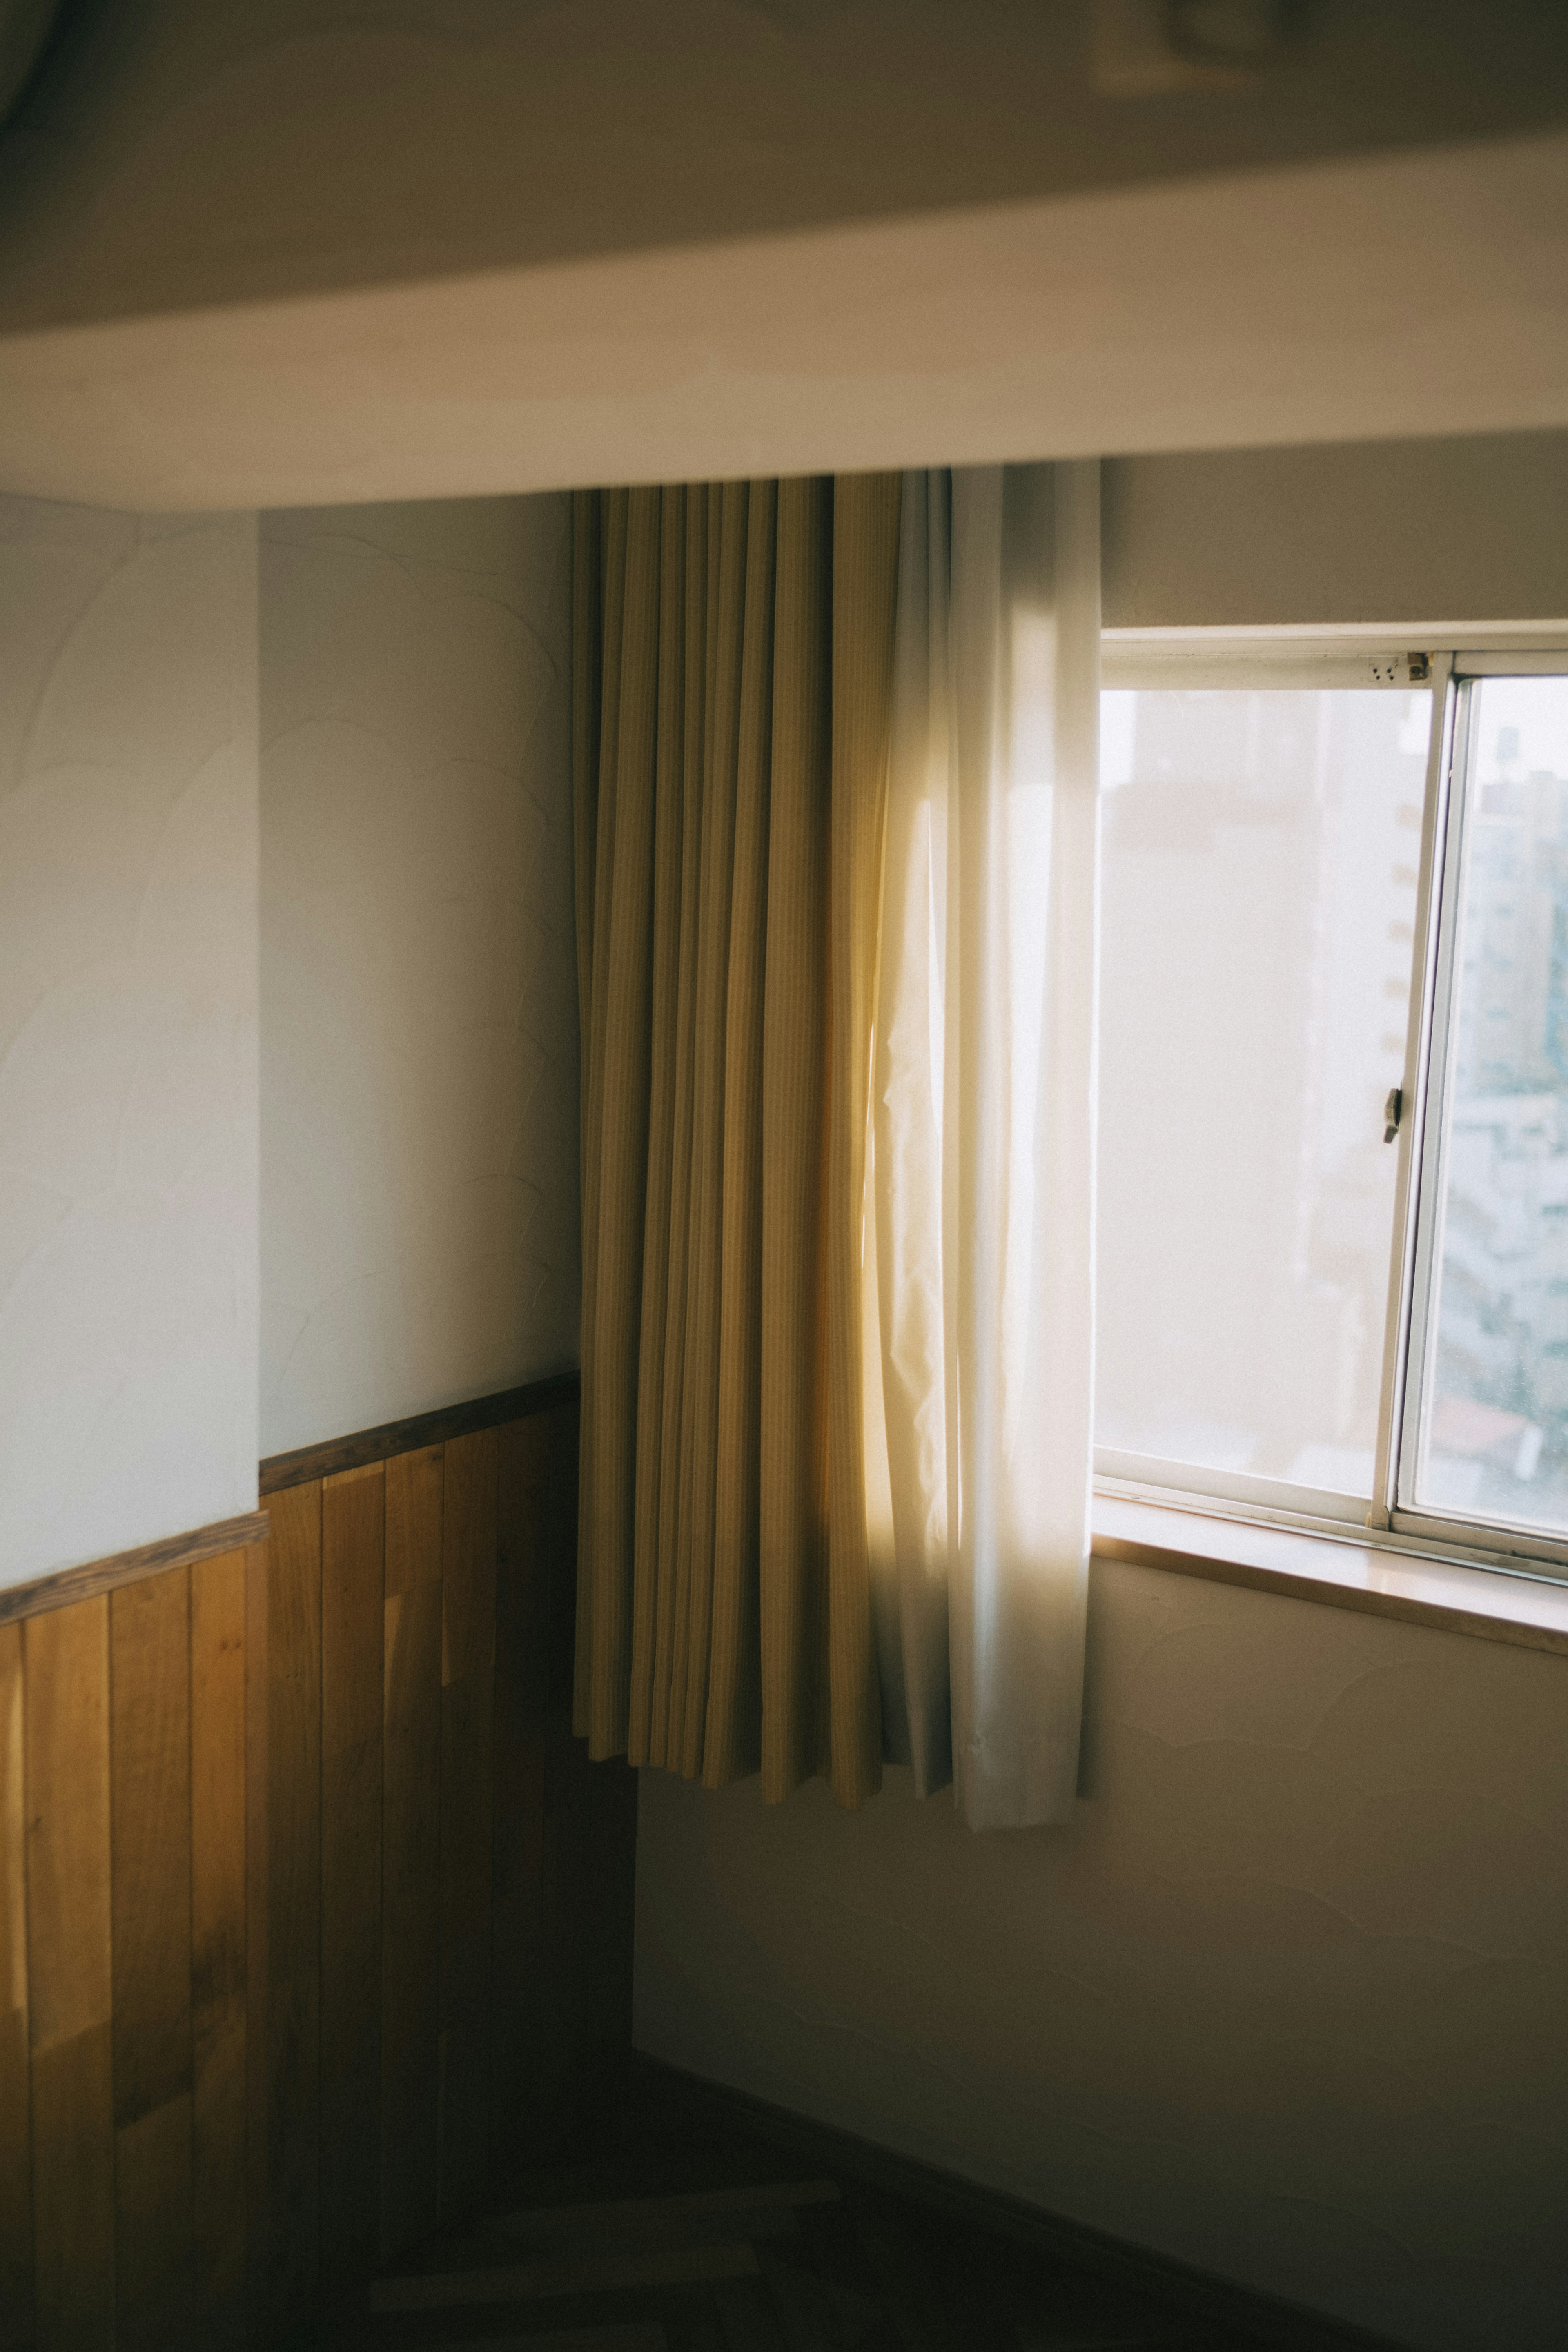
pixel 128 1029
pixel 1284 2001
pixel 419 1059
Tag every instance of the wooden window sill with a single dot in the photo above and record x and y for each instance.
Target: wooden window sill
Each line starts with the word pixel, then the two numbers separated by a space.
pixel 1457 1599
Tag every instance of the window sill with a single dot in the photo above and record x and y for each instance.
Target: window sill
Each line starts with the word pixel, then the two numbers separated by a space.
pixel 1488 1603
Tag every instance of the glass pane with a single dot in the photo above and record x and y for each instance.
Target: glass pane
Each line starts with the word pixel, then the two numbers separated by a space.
pixel 1494 1436
pixel 1260 853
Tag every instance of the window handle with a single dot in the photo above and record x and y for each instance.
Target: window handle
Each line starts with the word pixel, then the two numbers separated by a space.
pixel 1392 1110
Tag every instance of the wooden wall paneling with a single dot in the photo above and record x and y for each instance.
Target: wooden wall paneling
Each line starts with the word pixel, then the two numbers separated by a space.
pixel 410 2013
pixel 15 2091
pixel 218 1953
pixel 73 2192
pixel 312 1912
pixel 598 1861
pixel 609 1917
pixel 258 1966
pixel 352 1634
pixel 294 1900
pixel 150 1783
pixel 66 1744
pixel 560 1994
pixel 423 1430
pixel 415 1488
pixel 590 1864
pixel 64 1586
pixel 467 1794
pixel 153 2226
pixel 559 1507
pixel 518 2045
pixel 590 1845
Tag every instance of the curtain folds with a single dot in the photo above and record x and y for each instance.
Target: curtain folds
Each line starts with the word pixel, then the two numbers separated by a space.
pixel 835 767
pixel 732 678
pixel 983 1134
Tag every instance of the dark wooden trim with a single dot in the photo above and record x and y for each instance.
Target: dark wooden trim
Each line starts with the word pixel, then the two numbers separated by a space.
pixel 64 1585
pixel 822 2147
pixel 68 1584
pixel 335 1453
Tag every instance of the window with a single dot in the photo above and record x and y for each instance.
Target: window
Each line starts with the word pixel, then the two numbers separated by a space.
pixel 1333 1191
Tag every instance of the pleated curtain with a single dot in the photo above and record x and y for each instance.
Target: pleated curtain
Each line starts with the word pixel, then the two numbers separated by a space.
pixel 732 681
pixel 983 1123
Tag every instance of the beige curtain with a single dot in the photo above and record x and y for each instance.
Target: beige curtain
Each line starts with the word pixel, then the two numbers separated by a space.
pixel 733 676
pixel 983 1136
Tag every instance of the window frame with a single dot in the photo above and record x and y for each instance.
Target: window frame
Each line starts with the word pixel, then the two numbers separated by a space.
pixel 1360 659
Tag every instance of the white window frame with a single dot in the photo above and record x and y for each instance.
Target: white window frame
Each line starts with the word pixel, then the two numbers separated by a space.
pixel 1305 660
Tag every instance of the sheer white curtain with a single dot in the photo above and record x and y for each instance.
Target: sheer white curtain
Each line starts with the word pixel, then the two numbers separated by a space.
pixel 979 1252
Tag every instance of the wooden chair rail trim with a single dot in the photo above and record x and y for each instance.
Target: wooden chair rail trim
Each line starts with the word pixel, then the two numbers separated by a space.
pixel 367 1446
pixel 64 1585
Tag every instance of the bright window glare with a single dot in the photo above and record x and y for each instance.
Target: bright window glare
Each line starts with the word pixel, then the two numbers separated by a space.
pixel 1118 724
pixel 1260 856
pixel 1494 1438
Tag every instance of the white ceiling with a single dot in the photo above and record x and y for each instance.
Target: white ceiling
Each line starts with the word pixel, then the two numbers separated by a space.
pixel 1401 296
pixel 252 252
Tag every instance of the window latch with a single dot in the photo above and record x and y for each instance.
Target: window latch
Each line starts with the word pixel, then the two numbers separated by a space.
pixel 1392 1111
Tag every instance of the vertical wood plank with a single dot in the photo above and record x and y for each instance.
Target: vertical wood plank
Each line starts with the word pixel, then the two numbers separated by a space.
pixel 590 1857
pixel 468 1796
pixel 414 1505
pixel 558 1997
pixel 73 2190
pixel 353 1598
pixel 153 2226
pixel 518 2044
pixel 65 1661
pixel 218 1989
pixel 469 1557
pixel 352 1636
pixel 258 1966
pixel 294 1898
pixel 15 2092
pixel 150 1780
pixel 410 2016
pixel 589 1883
pixel 560 1507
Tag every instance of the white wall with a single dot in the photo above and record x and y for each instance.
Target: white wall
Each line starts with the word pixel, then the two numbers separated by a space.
pixel 1391 295
pixel 419 1087
pixel 186 153
pixel 128 1030
pixel 1286 2001
pixel 260 253
pixel 1383 532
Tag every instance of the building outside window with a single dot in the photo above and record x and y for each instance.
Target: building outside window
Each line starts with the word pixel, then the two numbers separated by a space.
pixel 1333 1189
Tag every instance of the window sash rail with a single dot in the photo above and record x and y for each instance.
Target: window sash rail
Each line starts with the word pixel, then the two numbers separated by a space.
pixel 1537 1560
pixel 1430 980
pixel 1390 1518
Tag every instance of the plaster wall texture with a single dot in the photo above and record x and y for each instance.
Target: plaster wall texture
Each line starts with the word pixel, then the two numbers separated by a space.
pixel 1400 294
pixel 182 153
pixel 257 254
pixel 1461 528
pixel 128 1030
pixel 419 1029
pixel 1285 2000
